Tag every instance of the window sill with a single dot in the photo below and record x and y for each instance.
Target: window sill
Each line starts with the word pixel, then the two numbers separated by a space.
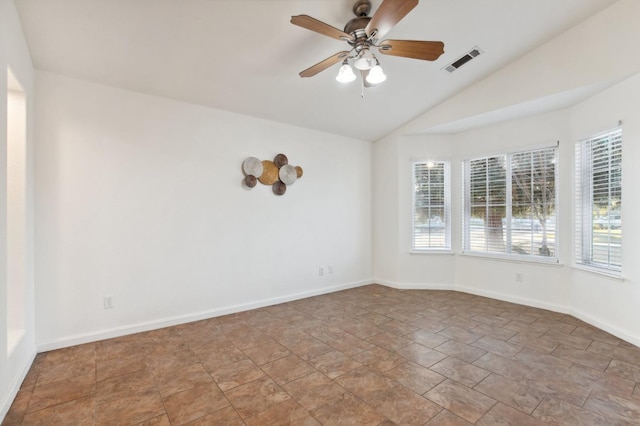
pixel 514 259
pixel 432 251
pixel 601 272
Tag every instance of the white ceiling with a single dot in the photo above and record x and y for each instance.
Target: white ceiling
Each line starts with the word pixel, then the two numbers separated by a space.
pixel 244 55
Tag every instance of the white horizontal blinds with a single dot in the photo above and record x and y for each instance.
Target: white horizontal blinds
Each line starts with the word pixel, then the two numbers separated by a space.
pixel 487 209
pixel 582 204
pixel 510 204
pixel 599 201
pixel 431 205
pixel 533 212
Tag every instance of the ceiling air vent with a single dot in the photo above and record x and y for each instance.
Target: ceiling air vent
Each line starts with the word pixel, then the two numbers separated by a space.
pixel 463 60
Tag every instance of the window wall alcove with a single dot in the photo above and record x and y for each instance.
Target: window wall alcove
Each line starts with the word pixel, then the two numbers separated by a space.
pixel 557 282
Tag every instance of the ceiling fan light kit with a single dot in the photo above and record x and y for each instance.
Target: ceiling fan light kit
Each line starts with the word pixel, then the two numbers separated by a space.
pixel 345 73
pixel 365 60
pixel 376 75
pixel 362 33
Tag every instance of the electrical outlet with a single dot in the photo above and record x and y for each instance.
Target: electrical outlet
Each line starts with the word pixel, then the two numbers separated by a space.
pixel 519 277
pixel 320 271
pixel 107 302
pixel 330 269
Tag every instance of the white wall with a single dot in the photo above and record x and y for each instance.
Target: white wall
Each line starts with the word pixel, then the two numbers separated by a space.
pixel 413 269
pixel 562 67
pixel 385 216
pixel 15 361
pixel 594 51
pixel 140 198
pixel 613 303
pixel 543 285
pixel 606 302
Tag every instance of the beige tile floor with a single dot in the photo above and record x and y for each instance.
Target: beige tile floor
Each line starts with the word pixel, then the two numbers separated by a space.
pixel 366 356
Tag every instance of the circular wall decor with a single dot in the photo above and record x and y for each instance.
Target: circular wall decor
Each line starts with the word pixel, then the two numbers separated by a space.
pixel 250 181
pixel 279 188
pixel 270 173
pixel 252 166
pixel 281 160
pixel 288 174
pixel 277 173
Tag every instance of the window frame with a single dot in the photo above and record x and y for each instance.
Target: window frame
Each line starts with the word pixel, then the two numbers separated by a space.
pixel 446 206
pixel 584 203
pixel 509 253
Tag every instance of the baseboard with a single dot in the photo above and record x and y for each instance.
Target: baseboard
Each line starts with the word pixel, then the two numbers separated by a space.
pixel 589 319
pixel 182 319
pixel 463 289
pixel 514 299
pixel 622 334
pixel 167 322
pixel 14 388
pixel 414 286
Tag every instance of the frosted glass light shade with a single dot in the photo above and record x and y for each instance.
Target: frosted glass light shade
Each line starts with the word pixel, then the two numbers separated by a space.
pixel 376 75
pixel 345 74
pixel 365 60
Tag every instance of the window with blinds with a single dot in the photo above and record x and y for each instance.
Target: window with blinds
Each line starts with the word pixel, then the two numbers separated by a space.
pixel 431 206
pixel 510 204
pixel 598 219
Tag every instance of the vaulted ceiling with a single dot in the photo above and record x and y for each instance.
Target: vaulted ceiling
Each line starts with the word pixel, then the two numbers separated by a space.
pixel 244 56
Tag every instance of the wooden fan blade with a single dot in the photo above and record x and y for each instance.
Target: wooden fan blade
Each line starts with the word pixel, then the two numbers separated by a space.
pixel 306 21
pixel 388 14
pixel 323 65
pixel 427 50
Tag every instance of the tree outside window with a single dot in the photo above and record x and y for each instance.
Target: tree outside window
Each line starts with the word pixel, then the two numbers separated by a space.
pixel 510 204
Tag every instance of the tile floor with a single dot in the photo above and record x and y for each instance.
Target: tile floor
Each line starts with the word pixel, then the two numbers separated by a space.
pixel 366 356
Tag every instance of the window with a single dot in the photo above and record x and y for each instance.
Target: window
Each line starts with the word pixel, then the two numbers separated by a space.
pixel 510 204
pixel 431 206
pixel 598 201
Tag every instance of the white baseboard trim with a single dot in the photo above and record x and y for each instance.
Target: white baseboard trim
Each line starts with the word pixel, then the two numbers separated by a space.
pixel 7 399
pixel 182 319
pixel 515 299
pixel 622 334
pixel 167 322
pixel 463 289
pixel 589 319
pixel 414 286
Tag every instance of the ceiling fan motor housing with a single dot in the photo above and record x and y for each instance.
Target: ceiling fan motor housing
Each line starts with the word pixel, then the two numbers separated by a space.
pixel 357 25
pixel 356 28
pixel 362 8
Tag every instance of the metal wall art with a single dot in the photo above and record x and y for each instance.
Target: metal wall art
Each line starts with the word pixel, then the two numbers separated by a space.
pixel 277 173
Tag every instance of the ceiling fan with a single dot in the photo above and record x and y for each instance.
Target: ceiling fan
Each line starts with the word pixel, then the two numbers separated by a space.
pixel 362 33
